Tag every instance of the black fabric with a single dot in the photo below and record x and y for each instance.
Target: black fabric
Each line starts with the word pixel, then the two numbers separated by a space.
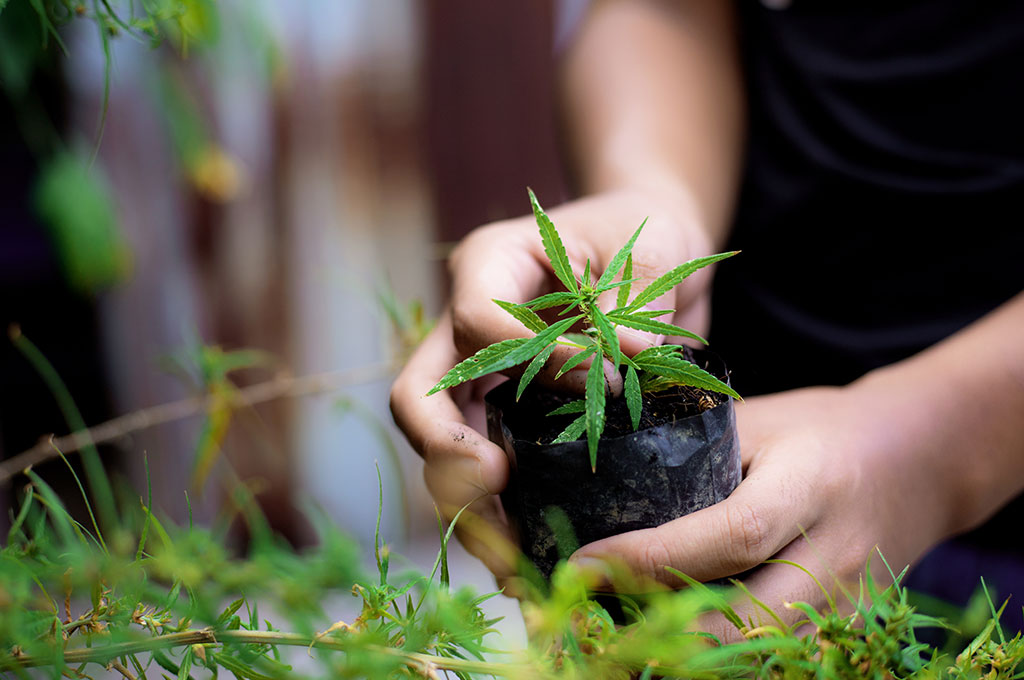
pixel 882 205
pixel 883 198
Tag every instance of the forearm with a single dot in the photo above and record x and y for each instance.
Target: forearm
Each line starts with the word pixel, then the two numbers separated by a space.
pixel 653 99
pixel 959 408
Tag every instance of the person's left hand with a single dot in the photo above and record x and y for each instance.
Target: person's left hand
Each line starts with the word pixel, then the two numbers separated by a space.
pixel 830 474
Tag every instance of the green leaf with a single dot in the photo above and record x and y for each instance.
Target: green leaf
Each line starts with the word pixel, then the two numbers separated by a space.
pixel 634 400
pixel 553 246
pixel 552 300
pixel 534 368
pixel 164 662
pixel 579 339
pixel 573 432
pixel 595 408
pixel 617 284
pixel 647 313
pixel 524 315
pixel 586 274
pixel 712 596
pixel 186 665
pixel 575 360
pixel 501 355
pixel 611 338
pixel 238 667
pixel 673 278
pixel 650 325
pixel 658 351
pixel 232 608
pixel 479 364
pixel 683 372
pixel 625 254
pixel 578 406
pixel 77 206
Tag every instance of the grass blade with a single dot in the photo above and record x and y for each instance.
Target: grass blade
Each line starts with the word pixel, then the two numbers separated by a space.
pixel 85 496
pixel 99 485
pixel 149 513
pixel 713 598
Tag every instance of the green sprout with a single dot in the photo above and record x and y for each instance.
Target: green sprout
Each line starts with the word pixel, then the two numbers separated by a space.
pixel 654 369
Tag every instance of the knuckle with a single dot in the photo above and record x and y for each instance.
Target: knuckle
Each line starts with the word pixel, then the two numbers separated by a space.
pixel 748 536
pixel 464 329
pixel 396 402
pixel 655 554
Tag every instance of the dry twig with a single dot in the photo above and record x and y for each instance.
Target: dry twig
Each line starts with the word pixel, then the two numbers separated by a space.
pixel 282 386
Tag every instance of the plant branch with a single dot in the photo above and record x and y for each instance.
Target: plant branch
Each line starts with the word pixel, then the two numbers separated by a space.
pixel 104 654
pixel 282 386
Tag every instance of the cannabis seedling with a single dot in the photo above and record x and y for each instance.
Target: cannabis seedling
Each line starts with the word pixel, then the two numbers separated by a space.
pixel 651 370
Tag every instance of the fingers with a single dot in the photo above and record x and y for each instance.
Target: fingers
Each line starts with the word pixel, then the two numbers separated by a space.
pixel 763 515
pixel 482 530
pixel 462 467
pixel 506 261
pixel 502 261
pixel 774 586
pixel 816 581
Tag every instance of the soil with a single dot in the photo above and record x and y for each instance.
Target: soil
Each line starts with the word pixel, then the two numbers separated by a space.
pixel 684 458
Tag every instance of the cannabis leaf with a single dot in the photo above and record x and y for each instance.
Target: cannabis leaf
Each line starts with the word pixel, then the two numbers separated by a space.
pixel 502 355
pixel 525 315
pixel 534 368
pixel 673 278
pixel 553 246
pixel 653 369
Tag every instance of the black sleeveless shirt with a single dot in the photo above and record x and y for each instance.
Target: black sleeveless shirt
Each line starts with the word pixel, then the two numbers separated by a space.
pixel 882 203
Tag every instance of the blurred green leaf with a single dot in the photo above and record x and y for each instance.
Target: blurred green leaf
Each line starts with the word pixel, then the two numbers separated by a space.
pixel 76 204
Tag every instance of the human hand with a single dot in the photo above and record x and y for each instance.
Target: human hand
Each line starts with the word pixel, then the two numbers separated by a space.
pixel 830 474
pixel 506 261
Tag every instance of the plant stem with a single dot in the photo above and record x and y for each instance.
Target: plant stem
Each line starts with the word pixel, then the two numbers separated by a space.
pixel 104 654
pixel 277 388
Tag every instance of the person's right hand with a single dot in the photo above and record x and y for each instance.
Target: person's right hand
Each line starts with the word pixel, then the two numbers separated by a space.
pixel 506 261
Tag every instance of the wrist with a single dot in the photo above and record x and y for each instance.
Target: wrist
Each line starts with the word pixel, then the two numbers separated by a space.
pixel 947 426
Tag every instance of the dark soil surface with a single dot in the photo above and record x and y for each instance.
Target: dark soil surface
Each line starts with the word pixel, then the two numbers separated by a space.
pixel 530 420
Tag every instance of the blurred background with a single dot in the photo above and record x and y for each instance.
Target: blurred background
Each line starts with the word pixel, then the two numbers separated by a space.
pixel 256 211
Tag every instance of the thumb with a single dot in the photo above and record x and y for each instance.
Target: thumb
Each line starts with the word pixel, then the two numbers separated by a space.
pixel 724 539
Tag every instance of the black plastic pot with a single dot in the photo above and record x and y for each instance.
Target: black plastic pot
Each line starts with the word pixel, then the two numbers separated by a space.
pixel 555 503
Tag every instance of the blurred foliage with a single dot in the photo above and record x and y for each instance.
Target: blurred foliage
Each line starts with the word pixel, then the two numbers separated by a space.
pixel 73 199
pixel 143 596
pixel 76 203
pixel 409 322
pixel 124 590
pixel 208 370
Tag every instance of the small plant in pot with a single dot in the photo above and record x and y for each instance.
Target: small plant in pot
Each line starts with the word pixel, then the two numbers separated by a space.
pixel 586 468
